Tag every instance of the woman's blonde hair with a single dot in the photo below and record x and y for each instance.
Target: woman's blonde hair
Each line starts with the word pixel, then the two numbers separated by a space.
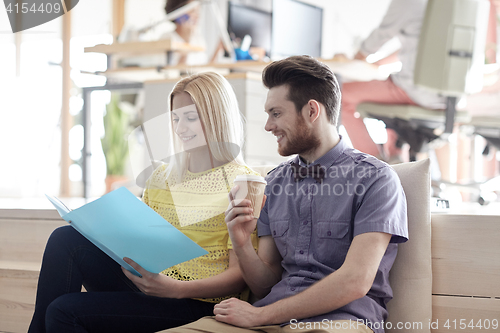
pixel 219 113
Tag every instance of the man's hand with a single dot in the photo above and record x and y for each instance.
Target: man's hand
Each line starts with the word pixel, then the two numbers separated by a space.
pixel 152 284
pixel 239 219
pixel 239 313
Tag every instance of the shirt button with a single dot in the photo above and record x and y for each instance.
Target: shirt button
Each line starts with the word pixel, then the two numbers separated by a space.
pixel 329 233
pixel 301 252
pixel 305 222
pixel 292 289
pixel 274 232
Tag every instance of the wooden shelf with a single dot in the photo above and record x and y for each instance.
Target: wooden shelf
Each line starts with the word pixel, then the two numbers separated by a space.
pixel 353 70
pixel 159 46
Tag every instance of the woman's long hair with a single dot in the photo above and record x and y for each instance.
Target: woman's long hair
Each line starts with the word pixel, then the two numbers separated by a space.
pixel 220 117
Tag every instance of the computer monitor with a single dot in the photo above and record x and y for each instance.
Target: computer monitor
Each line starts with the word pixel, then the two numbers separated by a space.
pixel 245 20
pixel 296 30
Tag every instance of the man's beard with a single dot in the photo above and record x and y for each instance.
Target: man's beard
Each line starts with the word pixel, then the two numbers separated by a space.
pixel 304 140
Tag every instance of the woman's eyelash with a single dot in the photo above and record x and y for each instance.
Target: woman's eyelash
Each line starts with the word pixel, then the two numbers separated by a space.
pixel 189 119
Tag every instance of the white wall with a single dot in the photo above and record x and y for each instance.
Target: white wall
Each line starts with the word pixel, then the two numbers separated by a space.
pixel 347 23
pixel 140 13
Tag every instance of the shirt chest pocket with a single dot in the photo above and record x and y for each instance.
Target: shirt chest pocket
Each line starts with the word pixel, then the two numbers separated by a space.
pixel 332 242
pixel 279 231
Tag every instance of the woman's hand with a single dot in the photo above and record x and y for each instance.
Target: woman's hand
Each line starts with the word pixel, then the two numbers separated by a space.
pixel 152 284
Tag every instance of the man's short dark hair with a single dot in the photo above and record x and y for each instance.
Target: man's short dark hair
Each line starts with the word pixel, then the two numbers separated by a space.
pixel 307 79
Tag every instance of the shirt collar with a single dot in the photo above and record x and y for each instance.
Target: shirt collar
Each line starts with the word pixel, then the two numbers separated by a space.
pixel 327 159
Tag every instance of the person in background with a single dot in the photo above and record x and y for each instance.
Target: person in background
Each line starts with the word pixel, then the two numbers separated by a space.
pixel 182 28
pixel 403 20
pixel 186 31
pixel 190 191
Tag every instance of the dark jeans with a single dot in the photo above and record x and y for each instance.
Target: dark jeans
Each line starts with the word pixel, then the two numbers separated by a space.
pixel 112 302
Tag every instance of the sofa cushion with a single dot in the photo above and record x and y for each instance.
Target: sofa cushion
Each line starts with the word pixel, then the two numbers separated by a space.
pixel 411 274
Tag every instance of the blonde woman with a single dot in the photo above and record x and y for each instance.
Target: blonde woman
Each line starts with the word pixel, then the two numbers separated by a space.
pixel 190 191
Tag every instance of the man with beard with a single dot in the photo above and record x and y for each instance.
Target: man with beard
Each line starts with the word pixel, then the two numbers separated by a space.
pixel 329 227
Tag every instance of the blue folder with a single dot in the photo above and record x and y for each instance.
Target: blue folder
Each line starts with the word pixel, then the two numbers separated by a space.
pixel 121 225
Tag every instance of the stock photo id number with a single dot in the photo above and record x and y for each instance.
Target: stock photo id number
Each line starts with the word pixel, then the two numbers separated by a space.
pixel 27 14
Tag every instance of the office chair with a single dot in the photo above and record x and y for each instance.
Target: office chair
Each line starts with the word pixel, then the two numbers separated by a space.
pixel 484 191
pixel 449 61
pixel 488 127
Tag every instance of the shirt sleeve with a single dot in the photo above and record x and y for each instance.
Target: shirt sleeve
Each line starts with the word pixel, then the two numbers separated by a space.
pixel 396 17
pixel 382 207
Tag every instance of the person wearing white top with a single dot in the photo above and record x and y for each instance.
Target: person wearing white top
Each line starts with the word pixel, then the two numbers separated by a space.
pixel 187 31
pixel 184 27
pixel 403 20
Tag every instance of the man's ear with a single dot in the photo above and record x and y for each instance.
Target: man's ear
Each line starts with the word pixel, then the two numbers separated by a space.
pixel 313 110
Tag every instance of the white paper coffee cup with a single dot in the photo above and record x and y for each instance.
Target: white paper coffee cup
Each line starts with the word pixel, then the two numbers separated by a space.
pixel 251 188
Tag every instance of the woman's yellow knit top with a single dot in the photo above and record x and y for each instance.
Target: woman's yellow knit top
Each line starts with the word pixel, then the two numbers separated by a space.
pixel 196 207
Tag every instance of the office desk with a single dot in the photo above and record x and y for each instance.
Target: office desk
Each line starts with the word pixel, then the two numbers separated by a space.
pixel 352 70
pixel 162 45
